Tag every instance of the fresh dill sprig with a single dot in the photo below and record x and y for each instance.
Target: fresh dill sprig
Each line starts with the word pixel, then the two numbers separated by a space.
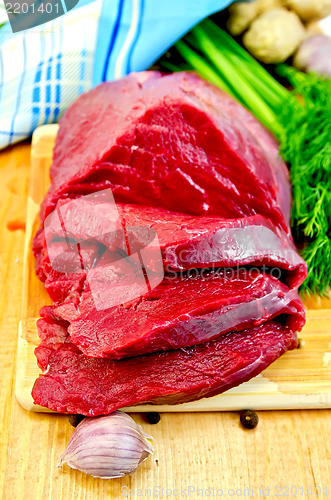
pixel 301 120
pixel 306 147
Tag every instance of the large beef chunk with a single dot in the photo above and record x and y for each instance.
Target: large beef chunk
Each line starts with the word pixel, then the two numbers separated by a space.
pixel 174 142
pixel 71 382
pixel 198 182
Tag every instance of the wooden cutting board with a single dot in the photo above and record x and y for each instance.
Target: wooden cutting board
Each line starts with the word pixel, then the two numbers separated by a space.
pixel 299 379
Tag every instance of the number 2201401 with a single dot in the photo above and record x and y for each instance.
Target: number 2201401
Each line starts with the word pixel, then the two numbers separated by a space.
pixel 24 8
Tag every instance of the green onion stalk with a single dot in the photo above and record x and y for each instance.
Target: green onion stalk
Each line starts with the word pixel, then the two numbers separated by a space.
pixel 299 119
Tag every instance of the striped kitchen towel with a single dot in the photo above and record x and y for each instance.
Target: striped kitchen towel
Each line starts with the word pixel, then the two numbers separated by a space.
pixel 45 68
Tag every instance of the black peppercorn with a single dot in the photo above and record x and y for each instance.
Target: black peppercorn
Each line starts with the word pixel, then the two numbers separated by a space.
pixel 153 417
pixel 249 419
pixel 75 419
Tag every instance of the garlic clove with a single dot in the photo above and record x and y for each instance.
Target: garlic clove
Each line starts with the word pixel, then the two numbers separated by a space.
pixel 314 55
pixel 107 447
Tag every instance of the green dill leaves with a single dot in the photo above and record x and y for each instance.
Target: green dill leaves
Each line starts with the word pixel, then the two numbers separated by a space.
pixel 306 147
pixel 301 120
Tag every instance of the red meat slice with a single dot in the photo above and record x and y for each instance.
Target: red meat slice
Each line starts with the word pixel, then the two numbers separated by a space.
pixel 73 383
pixel 185 241
pixel 179 313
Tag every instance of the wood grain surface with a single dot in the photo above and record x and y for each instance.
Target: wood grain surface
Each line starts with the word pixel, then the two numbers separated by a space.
pixel 197 450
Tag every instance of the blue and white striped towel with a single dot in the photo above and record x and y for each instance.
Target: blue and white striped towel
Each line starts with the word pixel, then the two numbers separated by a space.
pixel 44 69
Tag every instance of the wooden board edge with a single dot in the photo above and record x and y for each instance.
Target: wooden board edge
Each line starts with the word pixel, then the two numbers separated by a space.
pixel 23 387
pixel 43 139
pixel 42 143
pixel 259 389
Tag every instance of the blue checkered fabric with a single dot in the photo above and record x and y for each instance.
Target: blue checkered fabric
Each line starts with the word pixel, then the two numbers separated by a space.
pixel 44 69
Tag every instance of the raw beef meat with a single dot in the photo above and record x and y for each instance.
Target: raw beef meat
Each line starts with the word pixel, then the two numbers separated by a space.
pixel 186 242
pixel 179 313
pixel 198 182
pixel 174 142
pixel 73 383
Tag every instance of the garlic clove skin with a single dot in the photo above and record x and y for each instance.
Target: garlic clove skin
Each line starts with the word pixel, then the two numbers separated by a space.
pixel 314 55
pixel 107 447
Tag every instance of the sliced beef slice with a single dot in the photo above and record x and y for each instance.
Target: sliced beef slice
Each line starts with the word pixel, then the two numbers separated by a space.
pixel 178 313
pixel 185 241
pixel 73 383
pixel 170 141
